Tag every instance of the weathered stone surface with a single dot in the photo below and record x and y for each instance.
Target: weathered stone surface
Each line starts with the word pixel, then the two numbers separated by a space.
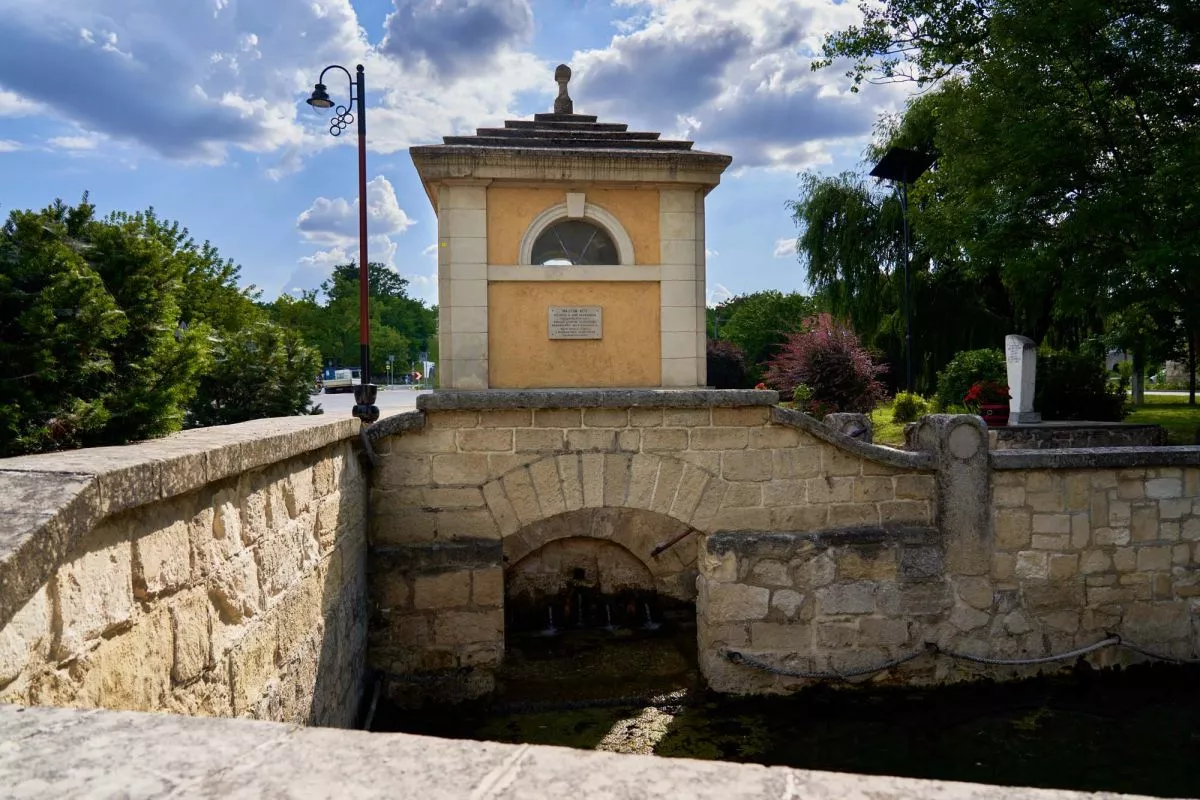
pixel 787 601
pixel 849 598
pixel 731 602
pixel 191 633
pixel 93 595
pixel 447 590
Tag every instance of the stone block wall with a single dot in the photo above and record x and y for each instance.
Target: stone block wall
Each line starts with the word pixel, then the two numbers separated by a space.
pixel 1071 547
pixel 477 482
pixel 193 575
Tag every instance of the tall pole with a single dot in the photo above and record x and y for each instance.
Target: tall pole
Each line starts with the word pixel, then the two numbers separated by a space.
pixel 364 320
pixel 908 341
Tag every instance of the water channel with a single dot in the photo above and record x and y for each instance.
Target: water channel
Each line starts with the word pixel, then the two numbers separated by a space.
pixel 636 690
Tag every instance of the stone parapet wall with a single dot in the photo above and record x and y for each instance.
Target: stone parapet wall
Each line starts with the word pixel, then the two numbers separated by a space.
pixel 50 752
pixel 219 572
pixel 1044 553
pixel 478 481
pixel 1061 435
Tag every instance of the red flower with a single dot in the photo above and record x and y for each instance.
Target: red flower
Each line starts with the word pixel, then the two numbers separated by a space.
pixel 760 386
pixel 986 393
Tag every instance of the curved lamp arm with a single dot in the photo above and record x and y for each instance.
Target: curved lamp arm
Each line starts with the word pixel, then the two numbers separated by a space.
pixel 343 115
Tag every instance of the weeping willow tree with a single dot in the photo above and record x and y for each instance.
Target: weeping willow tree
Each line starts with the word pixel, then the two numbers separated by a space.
pixel 850 239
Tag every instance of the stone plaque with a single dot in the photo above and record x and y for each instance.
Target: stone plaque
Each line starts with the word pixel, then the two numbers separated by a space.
pixel 575 322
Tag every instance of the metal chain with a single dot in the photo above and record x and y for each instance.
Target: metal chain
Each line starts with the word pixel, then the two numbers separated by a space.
pixel 934 649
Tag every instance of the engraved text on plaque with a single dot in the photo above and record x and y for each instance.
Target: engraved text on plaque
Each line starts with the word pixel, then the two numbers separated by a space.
pixel 575 322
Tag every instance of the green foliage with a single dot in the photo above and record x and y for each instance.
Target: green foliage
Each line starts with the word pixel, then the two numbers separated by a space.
pixel 1060 198
pixel 328 319
pixel 966 369
pixel 759 323
pixel 106 330
pixel 726 366
pixel 260 371
pixel 1075 386
pixel 909 407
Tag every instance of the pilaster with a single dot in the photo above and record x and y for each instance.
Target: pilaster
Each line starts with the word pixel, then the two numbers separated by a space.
pixel 681 236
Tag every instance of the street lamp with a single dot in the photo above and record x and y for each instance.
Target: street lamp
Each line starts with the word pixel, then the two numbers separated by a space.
pixel 902 167
pixel 365 393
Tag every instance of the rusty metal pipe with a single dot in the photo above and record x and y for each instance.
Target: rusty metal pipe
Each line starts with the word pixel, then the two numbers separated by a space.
pixel 667 545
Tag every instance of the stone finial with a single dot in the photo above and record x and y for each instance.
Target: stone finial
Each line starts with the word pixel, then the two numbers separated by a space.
pixel 563 103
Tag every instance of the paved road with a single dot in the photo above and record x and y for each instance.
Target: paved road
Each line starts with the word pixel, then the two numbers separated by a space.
pixel 390 401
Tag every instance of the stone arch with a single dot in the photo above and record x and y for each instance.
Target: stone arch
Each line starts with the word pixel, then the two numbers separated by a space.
pixel 556 484
pixel 591 213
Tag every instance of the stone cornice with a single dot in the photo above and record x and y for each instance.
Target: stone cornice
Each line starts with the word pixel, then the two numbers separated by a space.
pixel 489 399
pixel 437 163
pixel 1096 458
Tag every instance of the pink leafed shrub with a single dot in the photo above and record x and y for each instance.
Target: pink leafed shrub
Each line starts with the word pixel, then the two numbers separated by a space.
pixel 826 357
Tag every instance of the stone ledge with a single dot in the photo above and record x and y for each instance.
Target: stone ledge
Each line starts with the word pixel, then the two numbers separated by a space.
pixel 759 543
pixel 1097 458
pixel 878 453
pixel 463 554
pixel 397 423
pixel 49 501
pixel 490 399
pixel 53 752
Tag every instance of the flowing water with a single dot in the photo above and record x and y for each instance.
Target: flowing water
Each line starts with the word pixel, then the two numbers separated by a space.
pixel 636 690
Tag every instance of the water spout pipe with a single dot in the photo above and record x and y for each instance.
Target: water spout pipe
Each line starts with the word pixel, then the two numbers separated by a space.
pixel 667 545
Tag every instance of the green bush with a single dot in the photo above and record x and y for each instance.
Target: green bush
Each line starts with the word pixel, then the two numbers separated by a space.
pixel 964 370
pixel 909 407
pixel 1075 386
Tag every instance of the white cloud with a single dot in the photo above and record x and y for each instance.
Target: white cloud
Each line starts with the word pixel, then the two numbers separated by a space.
pixel 718 294
pixel 87 142
pixel 785 247
pixel 13 105
pixel 431 250
pixel 710 253
pixel 734 76
pixel 9 146
pixel 335 221
pixel 171 77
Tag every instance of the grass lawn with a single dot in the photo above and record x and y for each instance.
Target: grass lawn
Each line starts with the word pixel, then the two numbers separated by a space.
pixel 1173 413
pixel 886 431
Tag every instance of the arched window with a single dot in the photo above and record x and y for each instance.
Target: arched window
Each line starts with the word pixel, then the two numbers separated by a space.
pixel 574 242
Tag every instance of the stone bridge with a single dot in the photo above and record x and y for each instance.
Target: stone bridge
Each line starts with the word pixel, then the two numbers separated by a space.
pixel 266 570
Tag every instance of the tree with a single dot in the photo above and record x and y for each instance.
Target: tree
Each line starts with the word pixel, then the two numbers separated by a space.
pixel 1067 156
pixel 262 370
pixel 107 326
pixel 400 325
pixel 759 323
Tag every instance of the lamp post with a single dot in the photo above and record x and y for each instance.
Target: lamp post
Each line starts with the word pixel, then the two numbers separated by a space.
pixel 365 393
pixel 902 167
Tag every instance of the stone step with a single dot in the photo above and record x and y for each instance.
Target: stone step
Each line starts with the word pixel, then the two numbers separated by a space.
pixel 543 133
pixel 564 117
pixel 567 143
pixel 565 126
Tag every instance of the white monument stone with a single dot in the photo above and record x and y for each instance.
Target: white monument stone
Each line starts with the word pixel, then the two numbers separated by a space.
pixel 1021 355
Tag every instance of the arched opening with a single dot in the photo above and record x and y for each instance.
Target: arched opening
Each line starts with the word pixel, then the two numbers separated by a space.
pixel 573 242
pixel 591 613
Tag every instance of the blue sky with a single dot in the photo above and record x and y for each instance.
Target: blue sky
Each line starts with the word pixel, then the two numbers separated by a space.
pixel 195 107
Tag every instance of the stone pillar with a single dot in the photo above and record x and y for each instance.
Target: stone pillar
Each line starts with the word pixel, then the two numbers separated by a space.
pixel 462 285
pixel 959 444
pixel 1021 354
pixel 682 288
pixel 701 294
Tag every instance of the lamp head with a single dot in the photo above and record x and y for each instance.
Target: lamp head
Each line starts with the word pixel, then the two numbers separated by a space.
pixel 320 97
